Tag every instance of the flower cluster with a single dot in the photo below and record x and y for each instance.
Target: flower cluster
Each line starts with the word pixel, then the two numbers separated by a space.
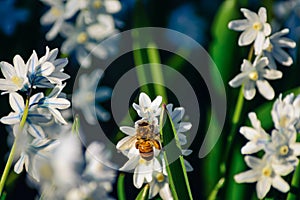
pixel 268 50
pixel 67 173
pixel 281 149
pixel 30 116
pixel 142 146
pixel 93 23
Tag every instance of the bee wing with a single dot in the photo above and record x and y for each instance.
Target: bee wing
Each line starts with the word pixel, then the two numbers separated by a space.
pixel 126 143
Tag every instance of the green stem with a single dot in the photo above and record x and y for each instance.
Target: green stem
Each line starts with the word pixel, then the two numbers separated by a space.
pixel 295 183
pixel 156 72
pixel 13 149
pixel 213 194
pixel 120 187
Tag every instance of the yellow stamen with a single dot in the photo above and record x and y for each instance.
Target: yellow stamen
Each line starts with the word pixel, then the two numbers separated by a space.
pixel 284 121
pixel 142 161
pixel 269 48
pixel 97 4
pixel 82 38
pixel 284 150
pixel 253 75
pixel 257 26
pixel 17 81
pixel 267 171
pixel 55 11
pixel 160 177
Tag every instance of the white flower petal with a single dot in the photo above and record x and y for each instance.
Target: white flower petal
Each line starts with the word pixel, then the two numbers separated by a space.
pixel 7 70
pixel 249 176
pixel 16 102
pixel 263 187
pixel 280 184
pixel 128 130
pixel 259 43
pixel 251 16
pixel 247 37
pixel 11 118
pixel 282 57
pixel 250 148
pixel 20 67
pixel 238 80
pixel 238 25
pixel 249 90
pixel 272 74
pixel 57 116
pixel 248 132
pixel 253 162
pixel 282 169
pixel 47 68
pixel 156 102
pixel 265 89
pixel 18 168
pixel 262 13
pixel 144 100
pixel 165 192
pixel 112 6
pixel 131 163
pixel 296 148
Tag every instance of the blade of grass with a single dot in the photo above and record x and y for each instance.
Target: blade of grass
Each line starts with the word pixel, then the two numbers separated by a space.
pixel 177 175
pixel 144 193
pixel 120 187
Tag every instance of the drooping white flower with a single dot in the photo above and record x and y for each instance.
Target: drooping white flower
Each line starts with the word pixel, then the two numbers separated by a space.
pixel 256 75
pixel 266 174
pixel 256 135
pixel 273 49
pixel 88 96
pixel 255 28
pixel 181 127
pixel 148 109
pixel 15 77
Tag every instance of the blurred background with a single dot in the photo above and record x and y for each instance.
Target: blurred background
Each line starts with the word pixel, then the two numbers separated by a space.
pixel 206 22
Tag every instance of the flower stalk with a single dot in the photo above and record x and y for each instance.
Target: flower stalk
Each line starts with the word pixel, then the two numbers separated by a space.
pixel 13 149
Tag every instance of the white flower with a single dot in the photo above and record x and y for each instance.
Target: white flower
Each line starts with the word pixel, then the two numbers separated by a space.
pixel 83 39
pixel 27 149
pixel 53 103
pixel 143 169
pixel 181 127
pixel 127 142
pixel 265 174
pixel 284 114
pixel 255 27
pixel 273 49
pixel 284 148
pixel 160 185
pixel 148 109
pixel 96 6
pixel 87 97
pixel 99 167
pixel 34 117
pixel 257 136
pixel 15 77
pixel 255 75
pixel 55 15
pixel 46 71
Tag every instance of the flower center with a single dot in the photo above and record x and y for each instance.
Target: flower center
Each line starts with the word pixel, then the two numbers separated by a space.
pixel 142 161
pixel 267 171
pixel 56 12
pixel 97 4
pixel 253 75
pixel 17 81
pixel 283 122
pixel 82 38
pixel 160 177
pixel 257 26
pixel 284 150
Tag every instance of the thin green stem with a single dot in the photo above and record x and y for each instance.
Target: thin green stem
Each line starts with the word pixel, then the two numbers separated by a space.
pixel 295 183
pixel 156 72
pixel 219 185
pixel 13 149
pixel 120 186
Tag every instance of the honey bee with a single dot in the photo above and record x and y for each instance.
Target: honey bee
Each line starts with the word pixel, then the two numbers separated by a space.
pixel 145 140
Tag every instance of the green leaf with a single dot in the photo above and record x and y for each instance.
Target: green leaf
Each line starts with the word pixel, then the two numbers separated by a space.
pixel 120 187
pixel 223 48
pixel 177 175
pixel 144 193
